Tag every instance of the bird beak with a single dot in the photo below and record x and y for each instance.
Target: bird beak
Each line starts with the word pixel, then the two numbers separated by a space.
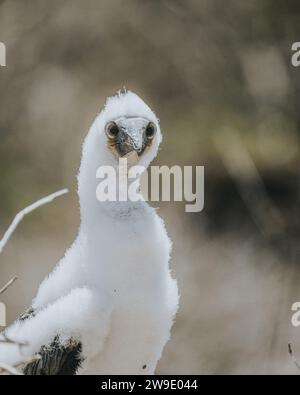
pixel 128 138
pixel 129 142
pixel 132 158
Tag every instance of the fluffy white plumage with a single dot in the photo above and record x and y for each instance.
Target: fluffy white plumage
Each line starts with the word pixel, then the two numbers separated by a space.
pixel 113 290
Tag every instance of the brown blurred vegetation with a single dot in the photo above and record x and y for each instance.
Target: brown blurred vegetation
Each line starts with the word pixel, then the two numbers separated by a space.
pixel 220 78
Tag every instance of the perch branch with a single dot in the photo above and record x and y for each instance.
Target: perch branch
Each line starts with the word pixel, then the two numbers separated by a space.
pixel 7 340
pixel 9 369
pixel 2 290
pixel 292 356
pixel 18 218
pixel 7 235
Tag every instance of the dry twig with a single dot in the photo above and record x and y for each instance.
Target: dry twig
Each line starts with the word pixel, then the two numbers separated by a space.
pixel 3 289
pixel 292 356
pixel 18 218
pixel 4 368
pixel 9 369
pixel 7 340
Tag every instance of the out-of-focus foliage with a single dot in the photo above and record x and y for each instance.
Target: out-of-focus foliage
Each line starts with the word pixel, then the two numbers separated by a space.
pixel 220 78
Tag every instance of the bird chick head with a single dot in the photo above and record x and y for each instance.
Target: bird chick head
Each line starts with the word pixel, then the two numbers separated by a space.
pixel 126 127
pixel 129 128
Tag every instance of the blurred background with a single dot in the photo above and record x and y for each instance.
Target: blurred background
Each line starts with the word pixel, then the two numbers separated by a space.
pixel 219 76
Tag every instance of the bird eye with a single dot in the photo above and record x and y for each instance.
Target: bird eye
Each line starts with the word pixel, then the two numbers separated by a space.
pixel 112 130
pixel 150 130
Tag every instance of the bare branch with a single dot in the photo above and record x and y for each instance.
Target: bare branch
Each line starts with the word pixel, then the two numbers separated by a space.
pixel 9 369
pixel 8 340
pixel 18 218
pixel 13 370
pixel 292 356
pixel 11 281
pixel 4 368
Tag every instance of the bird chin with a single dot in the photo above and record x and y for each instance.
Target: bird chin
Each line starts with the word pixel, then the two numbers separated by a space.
pixel 132 159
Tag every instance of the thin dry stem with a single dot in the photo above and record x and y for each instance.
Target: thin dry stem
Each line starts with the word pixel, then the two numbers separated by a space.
pixel 18 218
pixel 5 368
pixel 292 356
pixel 9 369
pixel 11 281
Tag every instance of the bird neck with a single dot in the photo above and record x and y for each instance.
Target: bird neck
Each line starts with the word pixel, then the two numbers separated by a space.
pixel 96 202
pixel 102 195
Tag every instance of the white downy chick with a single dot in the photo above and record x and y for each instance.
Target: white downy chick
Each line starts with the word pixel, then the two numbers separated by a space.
pixel 109 305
